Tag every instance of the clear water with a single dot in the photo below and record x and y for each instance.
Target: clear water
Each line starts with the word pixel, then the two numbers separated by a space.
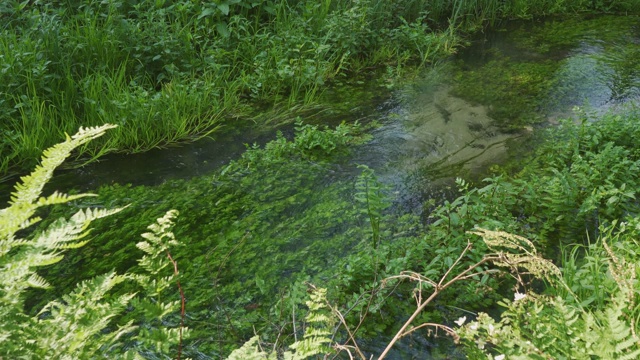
pixel 430 132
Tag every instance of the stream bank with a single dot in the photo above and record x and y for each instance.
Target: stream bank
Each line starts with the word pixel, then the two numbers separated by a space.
pixel 258 230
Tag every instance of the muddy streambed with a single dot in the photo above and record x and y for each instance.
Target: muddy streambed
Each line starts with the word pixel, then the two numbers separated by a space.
pixel 253 240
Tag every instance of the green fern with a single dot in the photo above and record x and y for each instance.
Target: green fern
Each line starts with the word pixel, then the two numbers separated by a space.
pixel 81 324
pixel 552 327
pixel 318 332
pixel 156 284
pixel 68 328
pixel 317 335
pixel 251 350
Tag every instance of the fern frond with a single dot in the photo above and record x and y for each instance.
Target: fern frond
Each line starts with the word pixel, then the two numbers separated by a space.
pixel 63 231
pixel 7 244
pixel 30 187
pixel 88 215
pixel 16 218
pixel 14 277
pixel 559 328
pixel 44 250
pixel 626 345
pixel 145 246
pixel 29 222
pixel 619 329
pixel 317 335
pixel 36 281
pixel 59 329
pixel 73 327
pixel 25 199
pixel 309 346
pixel 251 351
pixel 60 198
pixel 74 245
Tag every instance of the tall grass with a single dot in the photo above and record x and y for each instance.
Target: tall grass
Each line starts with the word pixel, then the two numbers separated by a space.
pixel 171 70
pixel 584 269
pixel 181 110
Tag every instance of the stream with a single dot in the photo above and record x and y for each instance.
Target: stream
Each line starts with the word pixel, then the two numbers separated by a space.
pixel 431 129
pixel 456 119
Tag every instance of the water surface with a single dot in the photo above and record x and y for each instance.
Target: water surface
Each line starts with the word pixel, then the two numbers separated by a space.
pixel 455 120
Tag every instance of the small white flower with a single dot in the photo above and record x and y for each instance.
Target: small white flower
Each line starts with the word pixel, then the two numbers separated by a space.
pixel 461 321
pixel 518 296
pixel 499 357
pixel 474 326
pixel 491 329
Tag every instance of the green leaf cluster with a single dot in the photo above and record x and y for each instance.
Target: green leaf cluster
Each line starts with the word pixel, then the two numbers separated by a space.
pixel 316 335
pixel 257 230
pixel 282 203
pixel 82 323
pixel 562 324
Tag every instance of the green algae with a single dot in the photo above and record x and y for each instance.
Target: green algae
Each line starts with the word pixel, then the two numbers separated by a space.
pixel 563 34
pixel 532 74
pixel 512 90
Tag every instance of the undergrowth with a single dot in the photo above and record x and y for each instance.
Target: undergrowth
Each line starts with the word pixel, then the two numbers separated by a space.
pixel 87 321
pixel 259 231
pixel 174 71
pixel 574 203
pixel 264 227
pixel 171 71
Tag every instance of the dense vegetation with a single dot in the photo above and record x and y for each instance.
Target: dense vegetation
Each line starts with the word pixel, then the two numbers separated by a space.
pixel 73 327
pixel 575 201
pixel 550 68
pixel 169 71
pixel 173 71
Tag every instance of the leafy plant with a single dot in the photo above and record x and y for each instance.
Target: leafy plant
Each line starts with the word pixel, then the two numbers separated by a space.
pixel 316 336
pixel 551 326
pixel 370 193
pixel 82 323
